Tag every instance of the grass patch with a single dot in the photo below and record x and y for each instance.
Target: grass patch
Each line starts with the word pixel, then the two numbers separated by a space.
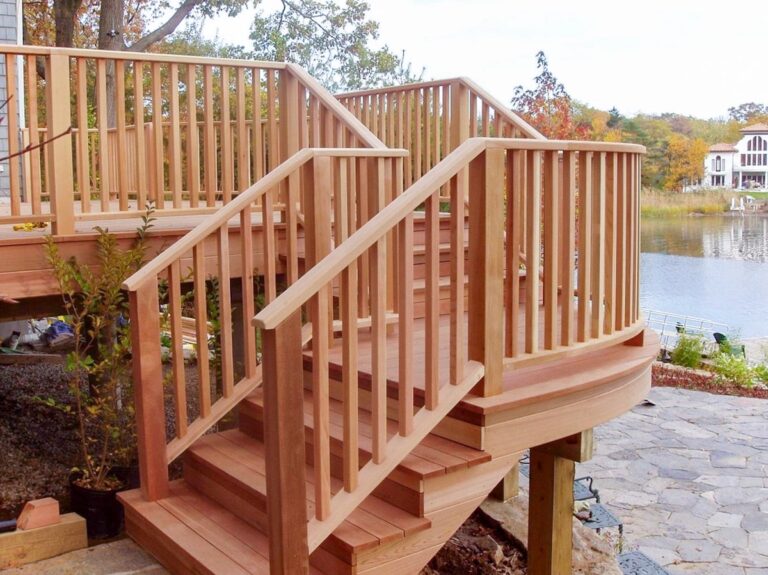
pixel 657 204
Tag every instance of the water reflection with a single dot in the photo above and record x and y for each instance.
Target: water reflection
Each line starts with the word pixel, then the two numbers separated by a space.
pixel 710 267
pixel 737 237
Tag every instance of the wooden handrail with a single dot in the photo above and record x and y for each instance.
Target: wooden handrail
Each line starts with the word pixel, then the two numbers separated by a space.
pixel 137 56
pixel 500 108
pixel 335 106
pixel 254 116
pixel 249 196
pixel 300 292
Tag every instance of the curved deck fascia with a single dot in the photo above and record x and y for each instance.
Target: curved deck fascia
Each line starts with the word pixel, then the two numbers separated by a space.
pixel 548 402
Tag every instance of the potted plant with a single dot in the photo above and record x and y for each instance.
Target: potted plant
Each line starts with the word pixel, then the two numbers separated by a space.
pixel 99 377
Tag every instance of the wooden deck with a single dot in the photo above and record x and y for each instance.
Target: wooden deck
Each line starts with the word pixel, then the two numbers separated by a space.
pixel 468 290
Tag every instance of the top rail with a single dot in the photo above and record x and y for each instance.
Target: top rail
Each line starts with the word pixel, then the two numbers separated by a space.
pixel 109 133
pixel 300 292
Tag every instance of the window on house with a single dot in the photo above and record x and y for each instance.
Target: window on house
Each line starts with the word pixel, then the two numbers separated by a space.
pixel 718 164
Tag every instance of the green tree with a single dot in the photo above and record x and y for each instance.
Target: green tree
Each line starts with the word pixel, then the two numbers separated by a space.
pixel 749 113
pixel 332 41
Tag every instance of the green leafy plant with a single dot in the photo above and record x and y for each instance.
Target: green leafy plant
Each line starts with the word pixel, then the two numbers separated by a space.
pixel 688 351
pixel 100 385
pixel 761 373
pixel 733 368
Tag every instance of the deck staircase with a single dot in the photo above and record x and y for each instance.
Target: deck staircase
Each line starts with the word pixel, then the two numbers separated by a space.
pixel 431 305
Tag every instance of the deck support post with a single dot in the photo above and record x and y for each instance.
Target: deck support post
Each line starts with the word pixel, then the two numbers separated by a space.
pixel 509 486
pixel 550 514
pixel 60 150
pixel 284 447
pixel 486 268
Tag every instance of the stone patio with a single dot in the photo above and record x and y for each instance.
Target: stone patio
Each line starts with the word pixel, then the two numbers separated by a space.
pixel 689 477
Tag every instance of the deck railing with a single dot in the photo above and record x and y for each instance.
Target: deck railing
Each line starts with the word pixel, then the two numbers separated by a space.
pixel 185 133
pixel 431 119
pixel 570 207
pixel 192 278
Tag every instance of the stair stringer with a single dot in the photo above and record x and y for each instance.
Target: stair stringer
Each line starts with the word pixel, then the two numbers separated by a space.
pixel 372 474
pixel 448 501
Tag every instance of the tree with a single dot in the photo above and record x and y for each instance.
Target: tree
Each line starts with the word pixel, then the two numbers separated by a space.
pixel 686 161
pixel 749 113
pixel 547 106
pixel 113 24
pixel 331 41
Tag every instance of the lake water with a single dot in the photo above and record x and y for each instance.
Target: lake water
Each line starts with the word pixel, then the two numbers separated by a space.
pixel 713 267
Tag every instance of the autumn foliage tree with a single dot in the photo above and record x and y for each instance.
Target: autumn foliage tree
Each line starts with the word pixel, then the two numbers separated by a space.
pixel 685 158
pixel 547 106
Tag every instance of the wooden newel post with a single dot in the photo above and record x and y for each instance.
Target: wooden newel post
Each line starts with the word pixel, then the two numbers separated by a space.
pixel 284 445
pixel 148 391
pixel 59 120
pixel 486 267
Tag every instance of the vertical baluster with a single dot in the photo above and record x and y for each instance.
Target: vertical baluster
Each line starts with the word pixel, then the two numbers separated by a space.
pixel 408 140
pixel 551 246
pixel 432 301
pixel 174 138
pixel 269 243
pixel 366 181
pixel 598 235
pixel 609 240
pixel 177 351
pixel 138 121
pixel 585 245
pixel 533 251
pixel 316 177
pixel 122 167
pixel 419 97
pixel 225 312
pixel 209 139
pixel 515 186
pixel 436 125
pixel 379 350
pixel 568 228
pixel 486 121
pixel 392 115
pixel 157 132
pixel 405 325
pixel 201 330
pixel 193 138
pixel 274 148
pixel 472 115
pixel 103 127
pixel 621 243
pixel 13 132
pixel 227 167
pixel 246 282
pixel 83 176
pixel 446 112
pixel 426 121
pixel 35 180
pixel 243 157
pixel 458 287
pixel 349 374
pixel 257 135
pixel 636 231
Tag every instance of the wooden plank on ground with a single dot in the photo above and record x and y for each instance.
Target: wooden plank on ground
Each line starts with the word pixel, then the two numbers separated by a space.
pixel 22 547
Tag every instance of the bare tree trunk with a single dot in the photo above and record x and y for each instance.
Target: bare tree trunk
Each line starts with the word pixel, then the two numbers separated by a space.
pixel 65 15
pixel 111 38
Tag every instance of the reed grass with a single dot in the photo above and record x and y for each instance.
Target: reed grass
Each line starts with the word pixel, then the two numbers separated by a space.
pixel 657 204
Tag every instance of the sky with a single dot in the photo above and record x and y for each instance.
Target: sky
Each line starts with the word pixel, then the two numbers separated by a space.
pixel 691 57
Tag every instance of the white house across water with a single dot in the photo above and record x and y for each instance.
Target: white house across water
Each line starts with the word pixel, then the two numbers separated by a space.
pixel 741 166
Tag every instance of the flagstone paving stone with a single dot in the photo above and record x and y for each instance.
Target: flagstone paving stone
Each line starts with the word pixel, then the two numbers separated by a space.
pixel 689 478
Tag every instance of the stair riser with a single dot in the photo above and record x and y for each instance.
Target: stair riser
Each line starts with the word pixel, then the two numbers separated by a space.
pixel 393 491
pixel 248 504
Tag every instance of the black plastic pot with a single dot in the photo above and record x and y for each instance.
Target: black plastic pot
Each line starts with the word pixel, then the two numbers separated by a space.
pixel 101 509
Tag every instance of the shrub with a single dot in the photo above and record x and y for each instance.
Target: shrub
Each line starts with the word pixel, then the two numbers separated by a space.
pixel 688 351
pixel 761 372
pixel 731 368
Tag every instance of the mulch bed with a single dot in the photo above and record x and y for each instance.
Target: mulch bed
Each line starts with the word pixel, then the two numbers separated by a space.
pixel 667 375
pixel 479 547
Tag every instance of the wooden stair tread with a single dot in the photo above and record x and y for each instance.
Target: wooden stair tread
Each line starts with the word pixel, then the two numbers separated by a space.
pixel 238 460
pixel 433 456
pixel 209 537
